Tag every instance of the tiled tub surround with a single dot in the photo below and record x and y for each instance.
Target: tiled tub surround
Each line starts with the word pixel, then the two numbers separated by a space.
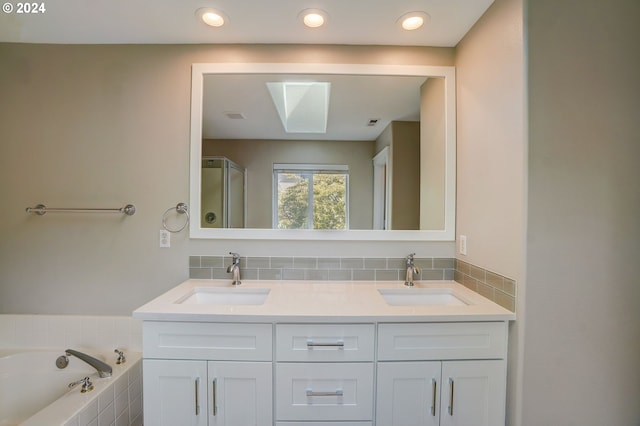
pixel 495 287
pixel 320 268
pixel 115 401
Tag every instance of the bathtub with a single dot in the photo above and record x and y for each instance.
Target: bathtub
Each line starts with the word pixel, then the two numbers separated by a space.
pixel 34 392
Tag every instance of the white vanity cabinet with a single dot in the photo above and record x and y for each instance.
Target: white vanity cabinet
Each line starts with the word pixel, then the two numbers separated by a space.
pixel 325 374
pixel 447 374
pixel 207 374
pixel 323 354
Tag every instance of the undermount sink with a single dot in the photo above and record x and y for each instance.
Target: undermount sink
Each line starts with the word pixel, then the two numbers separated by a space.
pixel 421 297
pixel 225 296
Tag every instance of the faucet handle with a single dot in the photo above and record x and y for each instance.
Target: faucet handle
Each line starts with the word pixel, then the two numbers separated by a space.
pixel 87 386
pixel 236 257
pixel 121 358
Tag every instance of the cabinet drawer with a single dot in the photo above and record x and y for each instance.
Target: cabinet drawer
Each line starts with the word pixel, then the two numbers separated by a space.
pixel 324 392
pixel 441 341
pixel 209 341
pixel 325 342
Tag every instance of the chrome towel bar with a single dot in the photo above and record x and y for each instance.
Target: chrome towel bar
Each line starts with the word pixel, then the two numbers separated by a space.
pixel 41 209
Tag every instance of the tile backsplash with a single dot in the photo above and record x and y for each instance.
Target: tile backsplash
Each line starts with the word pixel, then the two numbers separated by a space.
pixel 320 268
pixel 495 287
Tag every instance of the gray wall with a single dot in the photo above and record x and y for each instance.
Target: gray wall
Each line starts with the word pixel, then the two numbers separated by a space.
pixel 561 217
pixel 491 160
pixel 403 140
pixel 432 154
pixel 582 341
pixel 102 126
pixel 405 184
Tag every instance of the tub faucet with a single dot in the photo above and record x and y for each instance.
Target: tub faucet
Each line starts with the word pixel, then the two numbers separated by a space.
pixel 234 269
pixel 104 370
pixel 411 270
pixel 87 386
pixel 121 358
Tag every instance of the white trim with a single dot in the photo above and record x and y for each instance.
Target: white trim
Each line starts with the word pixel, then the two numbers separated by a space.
pixel 310 167
pixel 381 189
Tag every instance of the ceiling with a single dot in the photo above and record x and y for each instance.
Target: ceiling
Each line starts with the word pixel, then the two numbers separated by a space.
pixel 363 22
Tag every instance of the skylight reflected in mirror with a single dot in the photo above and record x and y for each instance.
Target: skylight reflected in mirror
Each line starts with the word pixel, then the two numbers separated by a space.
pixel 303 107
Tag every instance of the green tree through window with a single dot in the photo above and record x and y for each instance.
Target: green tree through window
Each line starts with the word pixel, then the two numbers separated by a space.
pixel 312 200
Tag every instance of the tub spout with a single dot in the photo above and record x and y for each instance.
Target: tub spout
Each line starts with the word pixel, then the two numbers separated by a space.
pixel 104 370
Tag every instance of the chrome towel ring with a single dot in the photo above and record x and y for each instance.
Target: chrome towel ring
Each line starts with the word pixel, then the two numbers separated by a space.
pixel 181 208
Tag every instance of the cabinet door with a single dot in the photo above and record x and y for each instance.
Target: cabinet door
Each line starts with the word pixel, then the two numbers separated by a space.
pixel 175 393
pixel 240 393
pixel 473 393
pixel 408 393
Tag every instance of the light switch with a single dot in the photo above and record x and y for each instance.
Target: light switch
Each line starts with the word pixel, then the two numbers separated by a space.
pixel 462 244
pixel 165 238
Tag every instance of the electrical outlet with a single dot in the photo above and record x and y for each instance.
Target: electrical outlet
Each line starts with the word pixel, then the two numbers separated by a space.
pixel 462 244
pixel 165 238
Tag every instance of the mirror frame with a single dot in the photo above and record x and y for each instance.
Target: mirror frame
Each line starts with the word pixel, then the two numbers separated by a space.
pixel 199 70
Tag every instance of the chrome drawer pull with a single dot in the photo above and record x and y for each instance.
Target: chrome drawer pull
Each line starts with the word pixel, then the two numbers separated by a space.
pixel 215 396
pixel 450 396
pixel 197 396
pixel 337 392
pixel 339 344
pixel 433 397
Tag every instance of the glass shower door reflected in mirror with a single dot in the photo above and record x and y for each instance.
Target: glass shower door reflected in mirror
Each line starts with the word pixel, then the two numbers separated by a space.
pixel 223 193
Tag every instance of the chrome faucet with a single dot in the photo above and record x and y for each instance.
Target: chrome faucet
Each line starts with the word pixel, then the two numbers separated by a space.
pixel 234 269
pixel 87 386
pixel 104 369
pixel 121 358
pixel 411 270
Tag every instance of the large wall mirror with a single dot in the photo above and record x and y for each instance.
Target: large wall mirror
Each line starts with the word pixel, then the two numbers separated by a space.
pixel 322 152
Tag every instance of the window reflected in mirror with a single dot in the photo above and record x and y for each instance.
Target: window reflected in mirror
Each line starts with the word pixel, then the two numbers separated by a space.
pixel 310 196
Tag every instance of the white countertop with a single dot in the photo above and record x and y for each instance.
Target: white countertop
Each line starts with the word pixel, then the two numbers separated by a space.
pixel 322 301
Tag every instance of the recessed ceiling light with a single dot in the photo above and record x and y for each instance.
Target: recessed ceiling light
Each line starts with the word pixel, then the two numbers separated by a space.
pixel 313 18
pixel 413 20
pixel 211 17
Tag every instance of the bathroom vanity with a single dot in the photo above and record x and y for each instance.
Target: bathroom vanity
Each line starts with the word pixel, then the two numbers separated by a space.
pixel 324 353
